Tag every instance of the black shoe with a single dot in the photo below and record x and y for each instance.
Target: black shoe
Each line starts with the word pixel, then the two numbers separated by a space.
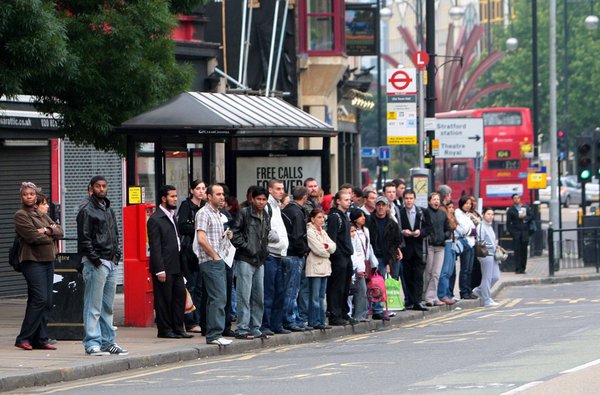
pixel 420 307
pixel 295 328
pixel 378 316
pixel 308 328
pixel 283 331
pixel 322 326
pixel 228 333
pixel 353 321
pixel 267 332
pixel 168 335
pixel 183 335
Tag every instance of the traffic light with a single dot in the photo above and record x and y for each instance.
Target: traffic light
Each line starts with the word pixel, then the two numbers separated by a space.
pixel 585 154
pixel 563 145
pixel 597 154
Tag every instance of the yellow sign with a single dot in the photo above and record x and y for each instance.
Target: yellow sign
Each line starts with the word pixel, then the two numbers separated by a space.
pixel 135 195
pixel 401 140
pixel 526 147
pixel 392 115
pixel 536 180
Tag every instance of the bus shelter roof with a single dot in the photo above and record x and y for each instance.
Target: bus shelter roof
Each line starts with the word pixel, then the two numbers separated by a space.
pixel 203 113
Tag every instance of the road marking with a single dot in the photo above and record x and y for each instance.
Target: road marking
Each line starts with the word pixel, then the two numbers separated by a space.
pixel 522 388
pixel 513 303
pixel 581 367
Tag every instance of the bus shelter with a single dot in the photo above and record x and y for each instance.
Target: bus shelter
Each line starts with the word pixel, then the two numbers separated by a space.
pixel 237 139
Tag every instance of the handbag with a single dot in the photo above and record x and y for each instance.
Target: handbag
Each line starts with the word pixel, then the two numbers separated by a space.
pixel 481 250
pixel 501 254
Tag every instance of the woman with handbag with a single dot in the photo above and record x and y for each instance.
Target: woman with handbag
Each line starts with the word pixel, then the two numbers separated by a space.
pixel 39 235
pixel 186 219
pixel 490 270
pixel 318 267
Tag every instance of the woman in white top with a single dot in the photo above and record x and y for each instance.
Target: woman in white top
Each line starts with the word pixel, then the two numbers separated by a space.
pixel 490 270
pixel 363 255
pixel 466 231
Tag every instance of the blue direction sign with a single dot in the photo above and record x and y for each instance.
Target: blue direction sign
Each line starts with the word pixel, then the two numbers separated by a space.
pixel 368 152
pixel 384 153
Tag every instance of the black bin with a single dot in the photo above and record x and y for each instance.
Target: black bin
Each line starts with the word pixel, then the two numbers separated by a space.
pixel 505 240
pixel 66 318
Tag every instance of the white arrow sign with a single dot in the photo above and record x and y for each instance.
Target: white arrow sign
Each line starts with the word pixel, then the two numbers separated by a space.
pixel 460 137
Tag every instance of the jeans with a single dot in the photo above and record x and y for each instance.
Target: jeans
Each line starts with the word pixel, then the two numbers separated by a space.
pixel 233 312
pixel 293 266
pixel 39 277
pixel 444 290
pixel 274 294
pixel 303 299
pixel 249 295
pixel 98 300
pixel 466 267
pixel 214 278
pixel 359 299
pixel 316 312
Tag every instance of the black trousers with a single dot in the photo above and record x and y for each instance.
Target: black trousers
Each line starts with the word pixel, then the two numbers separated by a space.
pixel 413 276
pixel 338 287
pixel 39 277
pixel 169 303
pixel 520 244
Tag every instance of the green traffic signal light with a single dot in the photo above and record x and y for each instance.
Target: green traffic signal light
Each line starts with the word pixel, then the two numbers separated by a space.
pixel 585 174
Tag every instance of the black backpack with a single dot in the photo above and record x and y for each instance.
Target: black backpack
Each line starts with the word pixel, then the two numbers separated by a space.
pixel 13 254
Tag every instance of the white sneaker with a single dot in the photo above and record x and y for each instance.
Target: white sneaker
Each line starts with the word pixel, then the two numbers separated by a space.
pixel 221 342
pixel 96 352
pixel 476 292
pixel 491 303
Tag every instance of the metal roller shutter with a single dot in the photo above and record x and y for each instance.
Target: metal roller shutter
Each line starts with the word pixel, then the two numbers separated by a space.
pixel 17 164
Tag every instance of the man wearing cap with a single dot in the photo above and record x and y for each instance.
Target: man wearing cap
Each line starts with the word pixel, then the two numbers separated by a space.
pixel 98 244
pixel 386 240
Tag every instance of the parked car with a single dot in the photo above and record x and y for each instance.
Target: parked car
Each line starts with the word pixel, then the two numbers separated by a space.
pixel 570 191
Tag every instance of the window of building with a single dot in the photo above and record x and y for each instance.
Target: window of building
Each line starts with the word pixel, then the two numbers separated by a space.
pixel 322 27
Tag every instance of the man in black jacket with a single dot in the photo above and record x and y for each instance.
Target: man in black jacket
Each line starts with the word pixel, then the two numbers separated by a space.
pixel 294 219
pixel 338 284
pixel 165 267
pixel 250 237
pixel 98 244
pixel 518 218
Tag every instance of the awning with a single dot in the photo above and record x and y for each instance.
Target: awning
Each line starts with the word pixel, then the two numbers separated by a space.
pixel 202 113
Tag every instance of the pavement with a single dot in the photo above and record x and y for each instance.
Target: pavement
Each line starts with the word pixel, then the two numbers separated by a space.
pixel 20 368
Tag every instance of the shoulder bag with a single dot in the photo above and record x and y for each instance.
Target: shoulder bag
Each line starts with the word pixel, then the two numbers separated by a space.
pixel 481 250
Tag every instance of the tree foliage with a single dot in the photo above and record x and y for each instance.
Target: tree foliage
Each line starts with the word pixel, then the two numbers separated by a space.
pixel 96 63
pixel 580 70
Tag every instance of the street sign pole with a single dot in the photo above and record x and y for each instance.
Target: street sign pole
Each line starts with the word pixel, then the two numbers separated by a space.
pixel 421 119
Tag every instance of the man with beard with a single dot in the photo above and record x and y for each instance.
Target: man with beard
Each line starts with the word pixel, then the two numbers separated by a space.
pixel 165 267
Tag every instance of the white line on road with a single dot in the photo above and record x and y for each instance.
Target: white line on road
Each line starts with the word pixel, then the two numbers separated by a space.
pixel 581 367
pixel 522 388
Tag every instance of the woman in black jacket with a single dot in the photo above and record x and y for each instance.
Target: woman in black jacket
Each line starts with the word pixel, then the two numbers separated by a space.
pixel 186 224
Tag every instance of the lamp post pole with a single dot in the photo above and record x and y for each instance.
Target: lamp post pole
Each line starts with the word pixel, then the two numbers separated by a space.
pixel 534 79
pixel 379 129
pixel 430 48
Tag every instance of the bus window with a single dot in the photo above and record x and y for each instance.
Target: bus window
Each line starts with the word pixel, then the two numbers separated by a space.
pixel 458 172
pixel 502 119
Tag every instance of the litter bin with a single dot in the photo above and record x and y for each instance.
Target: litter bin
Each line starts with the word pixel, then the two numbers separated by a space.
pixel 505 240
pixel 66 318
pixel 537 239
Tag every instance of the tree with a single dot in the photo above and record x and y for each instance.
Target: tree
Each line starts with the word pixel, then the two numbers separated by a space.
pixel 96 63
pixel 582 69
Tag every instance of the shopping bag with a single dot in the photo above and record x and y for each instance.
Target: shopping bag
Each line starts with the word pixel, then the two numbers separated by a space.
pixel 189 304
pixel 395 294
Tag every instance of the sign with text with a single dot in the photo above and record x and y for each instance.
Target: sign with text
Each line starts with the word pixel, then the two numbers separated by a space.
pixel 402 120
pixel 460 137
pixel 292 170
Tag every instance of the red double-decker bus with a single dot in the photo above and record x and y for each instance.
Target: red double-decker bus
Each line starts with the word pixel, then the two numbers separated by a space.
pixel 508 145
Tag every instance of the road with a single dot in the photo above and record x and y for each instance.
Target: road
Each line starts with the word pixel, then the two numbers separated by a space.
pixel 536 333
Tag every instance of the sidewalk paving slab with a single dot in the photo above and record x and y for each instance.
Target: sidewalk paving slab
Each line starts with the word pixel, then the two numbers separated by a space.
pixel 20 368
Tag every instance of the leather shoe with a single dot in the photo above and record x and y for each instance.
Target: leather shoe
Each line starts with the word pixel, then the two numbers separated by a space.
pixel 283 331
pixel 295 328
pixel 420 307
pixel 267 332
pixel 168 335
pixel 183 335
pixel 46 346
pixel 228 333
pixel 24 346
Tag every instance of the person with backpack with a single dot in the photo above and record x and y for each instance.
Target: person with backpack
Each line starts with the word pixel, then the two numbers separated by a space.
pixel 338 286
pixel 318 267
pixel 38 250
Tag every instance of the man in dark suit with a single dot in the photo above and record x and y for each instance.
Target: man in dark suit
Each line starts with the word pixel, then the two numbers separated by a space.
pixel 411 221
pixel 165 267
pixel 518 217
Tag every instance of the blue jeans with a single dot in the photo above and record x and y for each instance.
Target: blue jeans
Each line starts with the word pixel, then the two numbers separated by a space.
pixel 39 277
pixel 249 295
pixel 214 278
pixel 444 290
pixel 293 266
pixel 316 312
pixel 98 300
pixel 274 294
pixel 303 299
pixel 466 267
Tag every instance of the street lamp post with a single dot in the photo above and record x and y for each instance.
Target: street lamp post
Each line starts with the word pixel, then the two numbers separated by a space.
pixel 384 14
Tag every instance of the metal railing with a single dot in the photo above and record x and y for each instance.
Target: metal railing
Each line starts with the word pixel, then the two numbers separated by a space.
pixel 574 248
